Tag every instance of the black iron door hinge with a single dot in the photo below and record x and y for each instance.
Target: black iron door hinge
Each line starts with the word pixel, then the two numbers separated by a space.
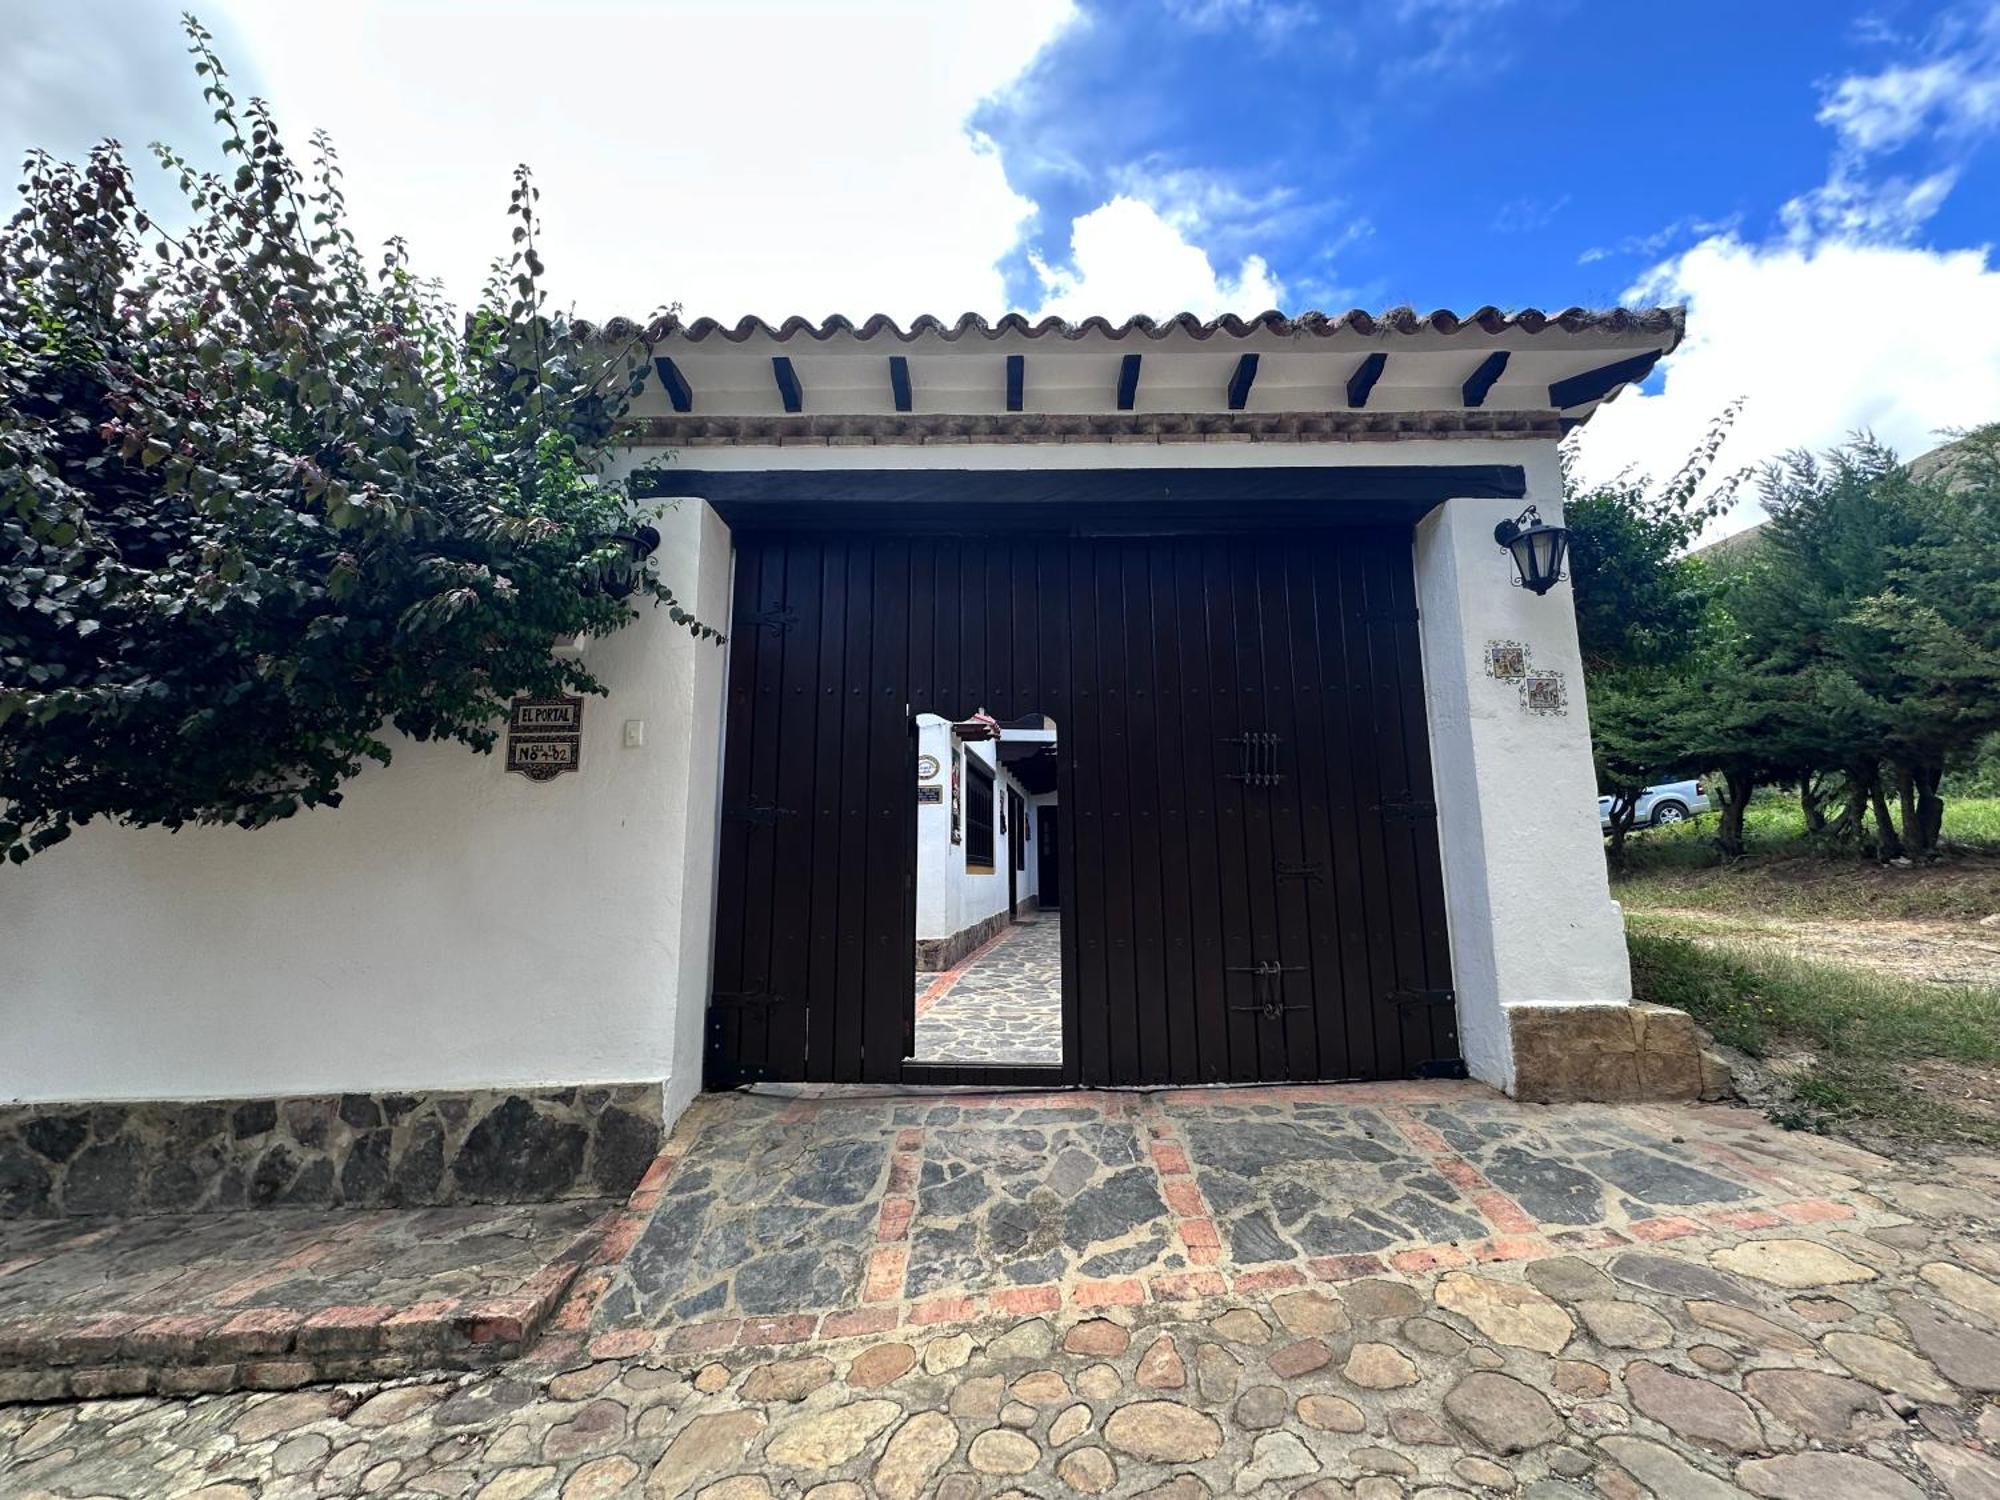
pixel 1310 870
pixel 778 619
pixel 1260 757
pixel 758 814
pixel 1422 997
pixel 1406 809
pixel 1269 987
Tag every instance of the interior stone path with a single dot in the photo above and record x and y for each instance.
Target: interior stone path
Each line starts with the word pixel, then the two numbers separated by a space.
pixel 1002 1006
pixel 1830 1330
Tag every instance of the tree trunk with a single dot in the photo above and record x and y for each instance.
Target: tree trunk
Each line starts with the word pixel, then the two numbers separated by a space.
pixel 1906 806
pixel 1930 809
pixel 1853 817
pixel 1812 802
pixel 1736 793
pixel 1624 813
pixel 1887 845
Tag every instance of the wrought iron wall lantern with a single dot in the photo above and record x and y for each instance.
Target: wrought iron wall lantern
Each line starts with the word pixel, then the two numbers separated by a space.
pixel 1539 550
pixel 628 563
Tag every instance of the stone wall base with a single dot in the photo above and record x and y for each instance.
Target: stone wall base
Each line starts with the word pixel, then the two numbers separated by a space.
pixel 1567 1054
pixel 383 1150
pixel 935 955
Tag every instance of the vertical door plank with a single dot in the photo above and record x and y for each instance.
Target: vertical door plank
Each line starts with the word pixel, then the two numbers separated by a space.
pixel 1286 685
pixel 1052 617
pixel 1115 799
pixel 1321 892
pixel 1364 713
pixel 766 735
pixel 856 717
pixel 1400 833
pixel 891 965
pixel 1169 736
pixel 829 644
pixel 1260 887
pixel 1083 822
pixel 725 1030
pixel 1142 782
pixel 792 881
pixel 1444 1042
pixel 1338 621
pixel 1225 625
pixel 1203 762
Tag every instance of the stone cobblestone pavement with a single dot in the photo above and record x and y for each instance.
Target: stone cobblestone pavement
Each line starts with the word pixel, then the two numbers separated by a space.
pixel 1640 1302
pixel 1004 1005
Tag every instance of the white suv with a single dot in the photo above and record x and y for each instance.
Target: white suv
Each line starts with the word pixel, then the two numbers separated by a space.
pixel 1669 802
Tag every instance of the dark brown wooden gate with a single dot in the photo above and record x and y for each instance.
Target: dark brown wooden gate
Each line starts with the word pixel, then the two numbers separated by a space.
pixel 1250 878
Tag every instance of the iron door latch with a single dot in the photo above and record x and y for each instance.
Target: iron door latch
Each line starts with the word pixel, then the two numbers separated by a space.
pixel 1268 977
pixel 1260 757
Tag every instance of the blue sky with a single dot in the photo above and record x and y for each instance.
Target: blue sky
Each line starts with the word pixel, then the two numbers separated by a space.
pixel 1450 153
pixel 1816 180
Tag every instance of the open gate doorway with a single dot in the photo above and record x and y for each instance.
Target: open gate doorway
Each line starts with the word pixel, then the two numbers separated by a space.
pixel 1247 860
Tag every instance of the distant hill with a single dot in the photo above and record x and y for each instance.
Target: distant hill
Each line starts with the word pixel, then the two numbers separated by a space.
pixel 1733 547
pixel 1739 545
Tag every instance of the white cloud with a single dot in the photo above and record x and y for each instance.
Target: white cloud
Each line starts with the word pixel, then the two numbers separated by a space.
pixel 737 156
pixel 1884 111
pixel 1822 340
pixel 1127 259
pixel 1945 101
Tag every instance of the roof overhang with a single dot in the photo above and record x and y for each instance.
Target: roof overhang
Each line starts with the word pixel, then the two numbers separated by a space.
pixel 1399 374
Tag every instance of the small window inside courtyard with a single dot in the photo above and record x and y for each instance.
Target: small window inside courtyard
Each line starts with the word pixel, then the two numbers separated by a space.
pixel 978 817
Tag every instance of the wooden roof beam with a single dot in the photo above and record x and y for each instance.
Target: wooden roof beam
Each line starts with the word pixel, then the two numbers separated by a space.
pixel 789 390
pixel 679 392
pixel 1241 381
pixel 1481 380
pixel 1362 381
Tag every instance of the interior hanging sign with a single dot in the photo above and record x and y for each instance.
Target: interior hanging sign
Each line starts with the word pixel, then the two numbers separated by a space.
pixel 545 737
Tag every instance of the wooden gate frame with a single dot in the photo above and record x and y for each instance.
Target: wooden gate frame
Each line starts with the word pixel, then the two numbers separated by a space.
pixel 765 501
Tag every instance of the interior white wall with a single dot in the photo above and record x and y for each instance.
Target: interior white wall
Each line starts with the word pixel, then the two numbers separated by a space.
pixel 951 898
pixel 448 926
pixel 1531 915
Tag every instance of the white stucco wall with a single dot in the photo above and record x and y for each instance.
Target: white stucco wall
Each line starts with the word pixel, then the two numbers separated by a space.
pixel 951 898
pixel 1532 919
pixel 449 926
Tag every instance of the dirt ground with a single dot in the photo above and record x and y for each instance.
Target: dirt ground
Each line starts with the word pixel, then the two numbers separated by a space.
pixel 1938 951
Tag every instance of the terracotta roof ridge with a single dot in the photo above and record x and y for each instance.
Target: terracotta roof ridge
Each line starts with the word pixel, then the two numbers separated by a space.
pixel 1670 320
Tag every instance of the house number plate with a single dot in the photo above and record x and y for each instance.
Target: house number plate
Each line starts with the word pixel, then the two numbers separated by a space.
pixel 545 737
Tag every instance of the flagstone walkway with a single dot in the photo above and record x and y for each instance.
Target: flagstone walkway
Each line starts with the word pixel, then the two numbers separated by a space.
pixel 1685 1304
pixel 1002 1005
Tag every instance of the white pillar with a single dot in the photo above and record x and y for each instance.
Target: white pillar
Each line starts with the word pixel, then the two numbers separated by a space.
pixel 1532 919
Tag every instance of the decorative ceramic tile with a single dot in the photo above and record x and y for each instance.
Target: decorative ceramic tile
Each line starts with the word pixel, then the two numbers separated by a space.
pixel 1507 660
pixel 1544 693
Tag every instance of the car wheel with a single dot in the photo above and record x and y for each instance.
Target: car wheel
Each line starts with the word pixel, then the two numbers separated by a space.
pixel 1669 812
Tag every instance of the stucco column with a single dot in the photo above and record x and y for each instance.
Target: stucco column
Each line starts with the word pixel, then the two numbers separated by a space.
pixel 1534 931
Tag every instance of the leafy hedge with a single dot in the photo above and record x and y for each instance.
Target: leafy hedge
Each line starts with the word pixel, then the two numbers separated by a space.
pixel 262 501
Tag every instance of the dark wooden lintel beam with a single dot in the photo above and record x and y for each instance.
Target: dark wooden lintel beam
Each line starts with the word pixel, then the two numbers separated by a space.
pixel 1602 381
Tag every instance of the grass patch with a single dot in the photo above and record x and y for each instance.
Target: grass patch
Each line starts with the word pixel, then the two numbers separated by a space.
pixel 1789 874
pixel 1857 1027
